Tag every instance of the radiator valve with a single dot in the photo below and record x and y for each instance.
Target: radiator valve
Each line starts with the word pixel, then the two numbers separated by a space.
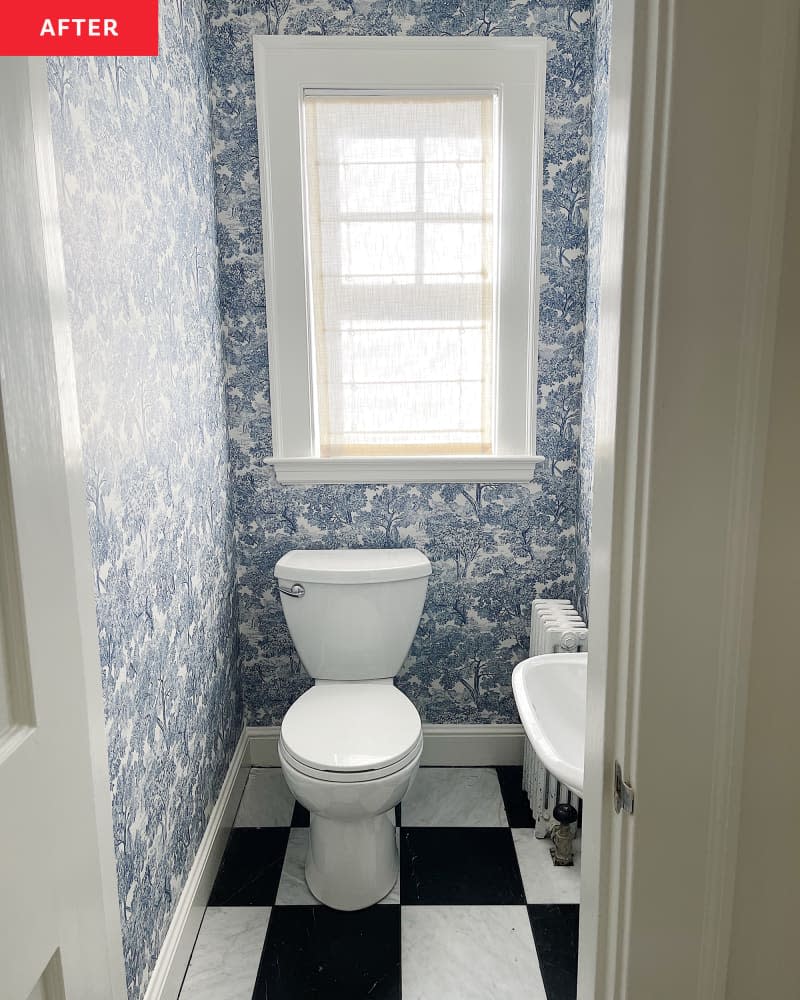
pixel 563 835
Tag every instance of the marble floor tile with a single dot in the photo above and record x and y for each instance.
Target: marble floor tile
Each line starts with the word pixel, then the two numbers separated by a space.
pixel 266 800
pixel 226 954
pixel 454 796
pixel 459 867
pixel 292 888
pixel 544 883
pixel 251 867
pixel 515 799
pixel 485 915
pixel 300 815
pixel 316 952
pixel 555 933
pixel 469 953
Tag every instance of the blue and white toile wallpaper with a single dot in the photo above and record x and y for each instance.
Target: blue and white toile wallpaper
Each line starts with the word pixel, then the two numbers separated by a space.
pixel 493 548
pixel 133 151
pixel 601 17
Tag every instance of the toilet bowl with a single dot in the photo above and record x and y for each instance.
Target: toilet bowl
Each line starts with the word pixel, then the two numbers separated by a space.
pixel 351 745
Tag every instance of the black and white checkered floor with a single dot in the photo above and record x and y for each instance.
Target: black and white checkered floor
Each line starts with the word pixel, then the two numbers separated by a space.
pixel 478 912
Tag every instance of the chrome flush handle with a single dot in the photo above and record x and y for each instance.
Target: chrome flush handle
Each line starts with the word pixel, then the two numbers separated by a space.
pixel 296 590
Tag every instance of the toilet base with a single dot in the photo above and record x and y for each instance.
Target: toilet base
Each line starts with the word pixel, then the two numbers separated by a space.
pixel 352 864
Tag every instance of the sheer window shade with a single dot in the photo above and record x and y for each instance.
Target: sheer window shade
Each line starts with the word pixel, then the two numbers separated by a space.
pixel 402 241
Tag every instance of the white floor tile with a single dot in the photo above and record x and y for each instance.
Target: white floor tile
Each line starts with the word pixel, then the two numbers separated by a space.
pixel 543 882
pixel 266 801
pixel 226 954
pixel 454 796
pixel 292 889
pixel 469 953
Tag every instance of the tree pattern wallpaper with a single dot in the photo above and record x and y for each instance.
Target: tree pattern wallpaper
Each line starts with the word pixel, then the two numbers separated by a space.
pixel 493 548
pixel 133 154
pixel 583 526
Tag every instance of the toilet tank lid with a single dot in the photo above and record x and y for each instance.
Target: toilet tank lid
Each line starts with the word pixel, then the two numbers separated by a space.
pixel 352 565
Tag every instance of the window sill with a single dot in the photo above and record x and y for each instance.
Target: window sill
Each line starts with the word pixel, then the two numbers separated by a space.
pixel 425 469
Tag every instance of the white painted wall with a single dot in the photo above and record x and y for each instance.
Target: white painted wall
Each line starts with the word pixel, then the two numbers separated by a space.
pixel 764 954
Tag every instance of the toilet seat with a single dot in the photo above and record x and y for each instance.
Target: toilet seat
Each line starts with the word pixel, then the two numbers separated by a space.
pixel 351 732
pixel 350 777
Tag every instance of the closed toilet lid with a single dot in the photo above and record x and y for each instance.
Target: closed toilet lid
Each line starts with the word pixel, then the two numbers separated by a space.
pixel 351 727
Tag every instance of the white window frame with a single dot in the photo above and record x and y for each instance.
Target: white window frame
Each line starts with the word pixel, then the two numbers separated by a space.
pixel 513 68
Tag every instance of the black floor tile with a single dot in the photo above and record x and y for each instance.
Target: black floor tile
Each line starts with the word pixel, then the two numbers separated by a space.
pixel 300 815
pixel 251 867
pixel 313 951
pixel 515 799
pixel 459 865
pixel 555 932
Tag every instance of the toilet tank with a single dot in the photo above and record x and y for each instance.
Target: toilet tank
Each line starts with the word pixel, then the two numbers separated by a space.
pixel 359 608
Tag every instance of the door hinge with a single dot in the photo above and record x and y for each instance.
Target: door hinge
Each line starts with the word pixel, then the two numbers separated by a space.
pixel 623 792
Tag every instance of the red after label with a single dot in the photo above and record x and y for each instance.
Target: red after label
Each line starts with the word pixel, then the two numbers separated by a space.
pixel 73 28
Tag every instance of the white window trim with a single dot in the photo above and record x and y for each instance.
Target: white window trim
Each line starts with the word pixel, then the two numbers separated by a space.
pixel 514 67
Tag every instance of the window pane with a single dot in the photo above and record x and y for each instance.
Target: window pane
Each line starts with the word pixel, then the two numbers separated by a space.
pixel 455 251
pixel 401 224
pixel 405 353
pixel 467 145
pixel 455 188
pixel 371 249
pixel 370 187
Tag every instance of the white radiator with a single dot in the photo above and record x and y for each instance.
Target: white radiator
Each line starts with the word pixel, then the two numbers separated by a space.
pixel 556 627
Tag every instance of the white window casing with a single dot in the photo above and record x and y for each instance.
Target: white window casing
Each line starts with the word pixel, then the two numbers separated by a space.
pixel 407 241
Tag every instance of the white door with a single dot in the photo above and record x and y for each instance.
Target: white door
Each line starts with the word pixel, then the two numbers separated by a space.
pixel 59 924
pixel 699 127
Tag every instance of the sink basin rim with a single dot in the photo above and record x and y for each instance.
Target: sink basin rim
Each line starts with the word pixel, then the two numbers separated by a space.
pixel 556 760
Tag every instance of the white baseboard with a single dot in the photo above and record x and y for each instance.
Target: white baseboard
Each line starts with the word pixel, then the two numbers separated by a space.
pixel 453 745
pixel 263 745
pixel 460 745
pixel 167 976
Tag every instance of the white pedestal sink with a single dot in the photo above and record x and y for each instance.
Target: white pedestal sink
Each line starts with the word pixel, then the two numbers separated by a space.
pixel 550 692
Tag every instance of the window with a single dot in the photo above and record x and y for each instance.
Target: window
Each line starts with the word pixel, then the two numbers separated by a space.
pixel 401 244
pixel 400 185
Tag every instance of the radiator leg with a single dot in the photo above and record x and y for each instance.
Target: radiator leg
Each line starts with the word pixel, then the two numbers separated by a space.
pixel 544 795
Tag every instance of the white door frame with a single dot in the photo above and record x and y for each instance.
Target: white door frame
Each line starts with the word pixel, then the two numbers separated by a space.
pixel 47 482
pixel 699 127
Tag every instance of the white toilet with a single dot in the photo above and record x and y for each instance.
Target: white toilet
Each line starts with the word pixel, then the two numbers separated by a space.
pixel 350 747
